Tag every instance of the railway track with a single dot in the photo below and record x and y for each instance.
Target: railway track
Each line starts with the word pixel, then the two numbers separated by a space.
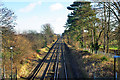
pixel 53 65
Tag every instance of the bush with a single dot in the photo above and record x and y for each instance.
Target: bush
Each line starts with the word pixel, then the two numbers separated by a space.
pixel 104 58
pixel 38 51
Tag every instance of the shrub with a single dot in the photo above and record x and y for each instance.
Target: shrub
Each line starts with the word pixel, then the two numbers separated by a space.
pixel 104 58
pixel 38 51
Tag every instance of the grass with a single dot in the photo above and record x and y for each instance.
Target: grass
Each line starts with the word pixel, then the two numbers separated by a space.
pixel 40 57
pixel 85 50
pixel 1 55
pixel 23 71
pixel 111 47
pixel 101 63
pixel 104 58
pixel 97 56
pixel 114 48
pixel 44 50
pixel 29 65
pixel 98 63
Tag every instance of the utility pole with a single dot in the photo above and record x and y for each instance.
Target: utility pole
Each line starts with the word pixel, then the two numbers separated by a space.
pixel 16 72
pixel 11 48
pixel 104 27
pixel 0 52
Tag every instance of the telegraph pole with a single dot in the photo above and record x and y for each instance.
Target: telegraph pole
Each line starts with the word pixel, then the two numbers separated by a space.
pixel 11 48
pixel 1 52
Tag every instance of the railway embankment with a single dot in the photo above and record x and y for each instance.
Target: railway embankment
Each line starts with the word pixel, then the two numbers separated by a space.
pixel 93 65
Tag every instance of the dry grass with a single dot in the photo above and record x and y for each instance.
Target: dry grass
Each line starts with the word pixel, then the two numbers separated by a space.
pixel 31 61
pixel 98 64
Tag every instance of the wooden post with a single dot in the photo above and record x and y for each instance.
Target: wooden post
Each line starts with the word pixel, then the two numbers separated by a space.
pixel 16 73
pixel 114 67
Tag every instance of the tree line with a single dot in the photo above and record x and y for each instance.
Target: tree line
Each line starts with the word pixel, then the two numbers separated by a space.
pixel 94 25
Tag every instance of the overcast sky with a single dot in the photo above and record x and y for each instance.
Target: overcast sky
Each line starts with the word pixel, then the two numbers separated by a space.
pixel 34 13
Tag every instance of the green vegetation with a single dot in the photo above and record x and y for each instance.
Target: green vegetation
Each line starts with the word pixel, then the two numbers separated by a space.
pixel 104 58
pixel 87 27
pixel 98 65
pixel 114 48
pixel 111 47
pixel 38 51
pixel 93 27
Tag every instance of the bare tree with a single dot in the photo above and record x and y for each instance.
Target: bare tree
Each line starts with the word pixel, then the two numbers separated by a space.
pixel 7 18
pixel 48 33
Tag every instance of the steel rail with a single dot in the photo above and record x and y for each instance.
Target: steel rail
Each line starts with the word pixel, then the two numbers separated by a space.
pixel 40 68
pixel 51 66
pixel 45 71
pixel 36 70
pixel 57 62
pixel 65 68
pixel 56 66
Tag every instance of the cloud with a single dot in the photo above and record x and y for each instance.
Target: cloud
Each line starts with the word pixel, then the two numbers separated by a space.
pixel 30 7
pixel 56 6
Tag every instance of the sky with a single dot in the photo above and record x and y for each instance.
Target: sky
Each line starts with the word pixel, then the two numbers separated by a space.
pixel 32 14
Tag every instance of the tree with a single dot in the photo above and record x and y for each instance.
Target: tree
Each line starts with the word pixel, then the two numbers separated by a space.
pixel 7 18
pixel 83 18
pixel 36 39
pixel 48 33
pixel 73 19
pixel 7 22
pixel 111 20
